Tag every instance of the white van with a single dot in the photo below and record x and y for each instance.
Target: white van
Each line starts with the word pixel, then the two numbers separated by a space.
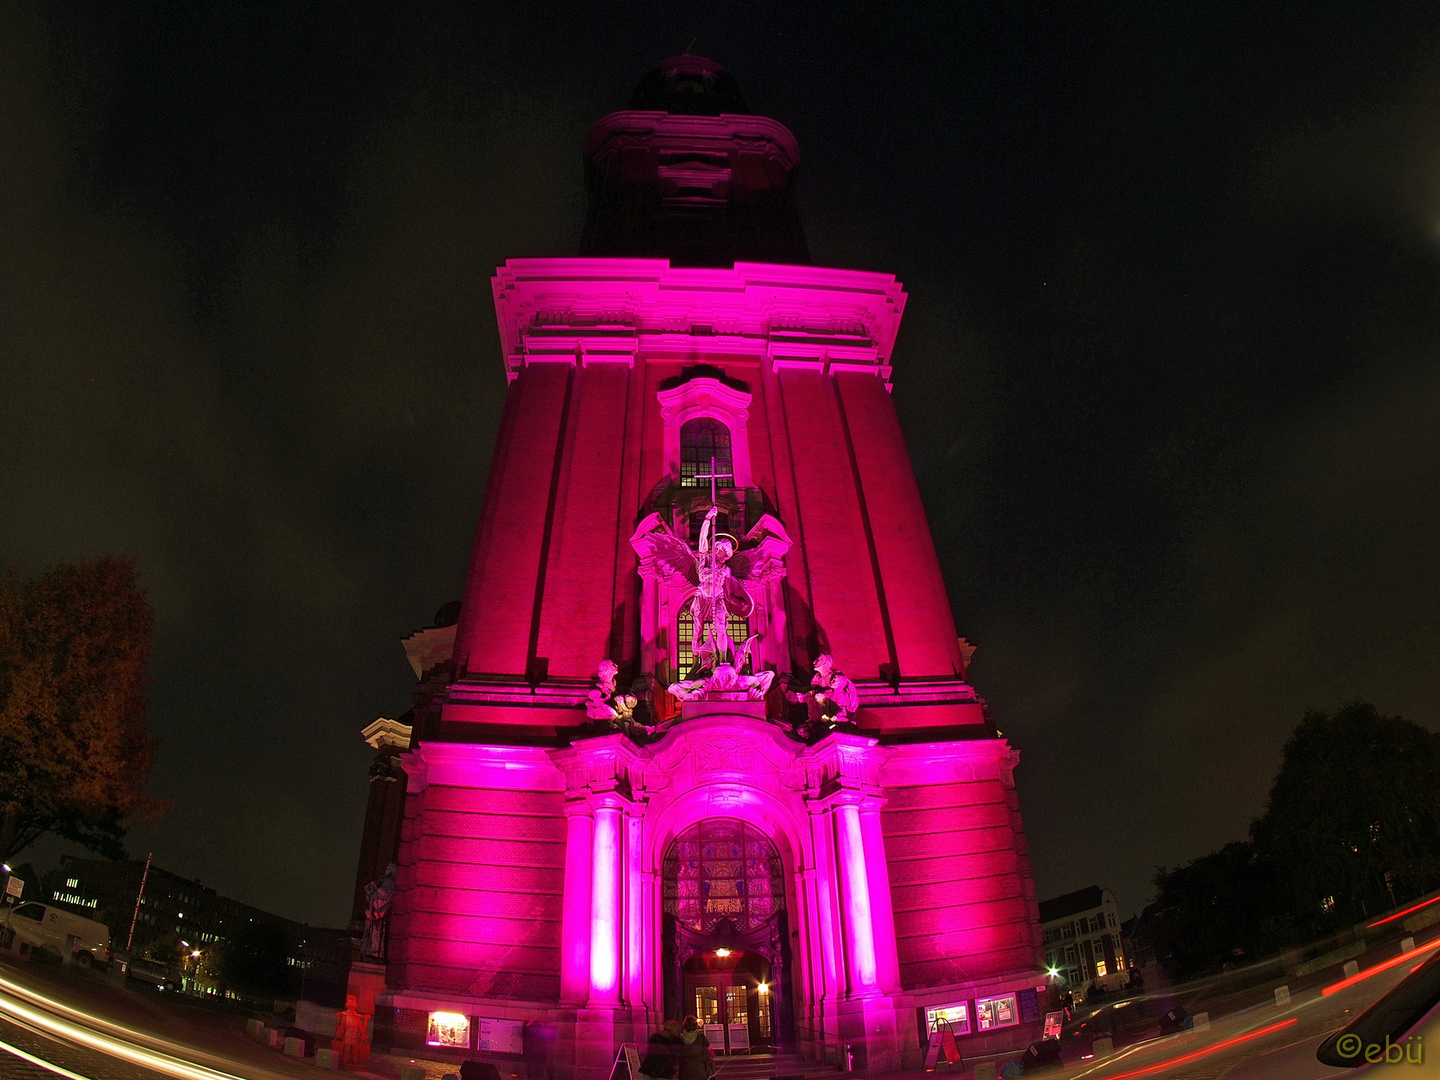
pixel 56 929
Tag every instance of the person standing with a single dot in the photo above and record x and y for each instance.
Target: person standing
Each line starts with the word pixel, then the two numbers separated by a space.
pixel 662 1053
pixel 696 1061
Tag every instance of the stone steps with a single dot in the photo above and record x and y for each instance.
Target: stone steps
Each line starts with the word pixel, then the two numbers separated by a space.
pixel 765 1066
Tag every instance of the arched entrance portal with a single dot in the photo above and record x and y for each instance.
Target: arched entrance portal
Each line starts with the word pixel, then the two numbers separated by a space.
pixel 727 949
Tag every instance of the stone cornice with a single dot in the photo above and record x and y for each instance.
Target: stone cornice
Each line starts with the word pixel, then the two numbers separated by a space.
pixel 386 732
pixel 427 649
pixel 664 130
pixel 584 311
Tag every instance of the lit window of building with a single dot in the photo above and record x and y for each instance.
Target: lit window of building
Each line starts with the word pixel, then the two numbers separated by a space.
pixel 701 441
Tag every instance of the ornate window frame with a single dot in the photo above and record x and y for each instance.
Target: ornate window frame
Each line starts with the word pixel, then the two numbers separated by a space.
pixel 706 396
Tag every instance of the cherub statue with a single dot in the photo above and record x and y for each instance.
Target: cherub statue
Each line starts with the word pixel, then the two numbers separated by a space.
pixel 835 689
pixel 604 704
pixel 718 572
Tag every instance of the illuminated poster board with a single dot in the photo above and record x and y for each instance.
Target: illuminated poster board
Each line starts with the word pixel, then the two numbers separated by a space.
pixel 996 1012
pixel 448 1029
pixel 957 1016
pixel 1054 1022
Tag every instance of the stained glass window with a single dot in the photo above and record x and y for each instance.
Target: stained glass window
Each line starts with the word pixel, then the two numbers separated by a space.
pixel 723 869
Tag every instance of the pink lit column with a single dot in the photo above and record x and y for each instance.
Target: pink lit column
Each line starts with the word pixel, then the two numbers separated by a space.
pixel 575 929
pixel 635 890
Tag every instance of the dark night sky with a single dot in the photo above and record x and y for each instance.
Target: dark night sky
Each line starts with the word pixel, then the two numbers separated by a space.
pixel 1168 371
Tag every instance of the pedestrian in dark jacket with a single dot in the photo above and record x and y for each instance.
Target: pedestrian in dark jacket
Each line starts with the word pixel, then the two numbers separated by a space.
pixel 696 1061
pixel 661 1053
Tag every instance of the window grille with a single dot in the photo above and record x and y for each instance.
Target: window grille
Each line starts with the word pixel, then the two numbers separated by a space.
pixel 700 441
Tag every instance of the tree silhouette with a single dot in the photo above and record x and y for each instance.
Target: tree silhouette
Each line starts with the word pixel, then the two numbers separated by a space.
pixel 74 752
pixel 1351 828
pixel 1353 820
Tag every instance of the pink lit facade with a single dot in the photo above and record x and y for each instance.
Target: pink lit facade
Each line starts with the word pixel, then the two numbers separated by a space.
pixel 549 873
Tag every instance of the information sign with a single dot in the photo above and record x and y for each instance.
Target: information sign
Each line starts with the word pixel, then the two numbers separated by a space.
pixel 501 1036
pixel 739 1038
pixel 1029 1006
pixel 627 1063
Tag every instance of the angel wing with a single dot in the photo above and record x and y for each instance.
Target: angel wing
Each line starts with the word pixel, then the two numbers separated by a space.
pixel 763 558
pixel 664 555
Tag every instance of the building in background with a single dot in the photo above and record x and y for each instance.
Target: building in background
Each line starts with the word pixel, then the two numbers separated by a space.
pixel 179 918
pixel 1081 933
pixel 603 825
pixel 429 652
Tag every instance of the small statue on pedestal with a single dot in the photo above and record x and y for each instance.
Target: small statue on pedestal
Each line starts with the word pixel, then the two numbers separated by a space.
pixel 605 706
pixel 834 692
pixel 378 896
pixel 835 697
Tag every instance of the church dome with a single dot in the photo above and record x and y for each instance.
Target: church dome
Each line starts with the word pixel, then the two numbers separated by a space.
pixel 689 86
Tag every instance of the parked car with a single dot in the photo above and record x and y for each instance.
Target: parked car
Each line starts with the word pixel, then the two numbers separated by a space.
pixel 56 929
pixel 154 973
pixel 1402 1028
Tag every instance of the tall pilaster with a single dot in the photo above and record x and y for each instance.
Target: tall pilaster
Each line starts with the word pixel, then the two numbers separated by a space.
pixel 575 927
pixel 600 912
pixel 843 795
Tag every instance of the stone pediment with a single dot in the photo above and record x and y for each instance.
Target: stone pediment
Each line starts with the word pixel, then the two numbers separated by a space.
pixel 725 741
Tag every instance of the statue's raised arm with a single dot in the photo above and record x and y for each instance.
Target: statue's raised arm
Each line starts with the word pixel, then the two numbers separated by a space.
pixel 707 530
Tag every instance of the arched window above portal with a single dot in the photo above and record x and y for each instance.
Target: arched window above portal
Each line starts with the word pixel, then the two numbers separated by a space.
pixel 728 411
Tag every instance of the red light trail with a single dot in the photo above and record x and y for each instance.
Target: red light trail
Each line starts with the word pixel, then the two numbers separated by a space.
pixel 1402 914
pixel 1384 965
pixel 1197 1054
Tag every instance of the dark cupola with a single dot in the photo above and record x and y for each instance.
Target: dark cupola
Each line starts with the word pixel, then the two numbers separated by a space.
pixel 688 173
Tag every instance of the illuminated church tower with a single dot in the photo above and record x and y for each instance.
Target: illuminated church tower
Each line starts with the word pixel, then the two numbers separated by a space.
pixel 803 852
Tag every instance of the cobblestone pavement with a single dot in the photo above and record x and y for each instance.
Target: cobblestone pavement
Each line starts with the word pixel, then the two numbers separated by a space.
pixel 87 1063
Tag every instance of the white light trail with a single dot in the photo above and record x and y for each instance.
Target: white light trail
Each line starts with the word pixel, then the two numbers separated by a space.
pixel 96 1040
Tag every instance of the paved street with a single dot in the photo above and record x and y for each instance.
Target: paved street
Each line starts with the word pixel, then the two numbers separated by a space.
pixel 86 1029
pixel 78 1025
